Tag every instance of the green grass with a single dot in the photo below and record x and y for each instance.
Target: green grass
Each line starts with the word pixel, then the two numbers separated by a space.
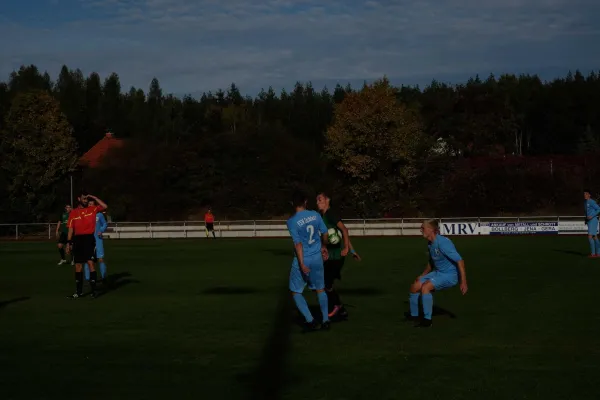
pixel 213 319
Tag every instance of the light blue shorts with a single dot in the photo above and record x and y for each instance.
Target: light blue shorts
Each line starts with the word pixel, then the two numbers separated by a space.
pixel 99 248
pixel 440 281
pixel 592 225
pixel 315 278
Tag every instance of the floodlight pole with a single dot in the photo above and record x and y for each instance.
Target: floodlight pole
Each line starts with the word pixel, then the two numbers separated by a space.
pixel 71 176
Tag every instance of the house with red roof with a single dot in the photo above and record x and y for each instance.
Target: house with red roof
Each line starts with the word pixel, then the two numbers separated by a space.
pixel 93 157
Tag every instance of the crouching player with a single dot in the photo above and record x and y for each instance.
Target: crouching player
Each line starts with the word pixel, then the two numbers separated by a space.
pixel 309 234
pixel 444 270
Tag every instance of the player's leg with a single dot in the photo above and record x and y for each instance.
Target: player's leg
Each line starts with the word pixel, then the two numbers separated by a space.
pixel 86 271
pixel 90 245
pixel 296 286
pixel 414 295
pixel 100 257
pixel 437 282
pixel 316 282
pixel 427 290
pixel 62 242
pixel 592 227
pixel 61 249
pixel 334 298
pixel 329 278
pixel 596 241
pixel 77 258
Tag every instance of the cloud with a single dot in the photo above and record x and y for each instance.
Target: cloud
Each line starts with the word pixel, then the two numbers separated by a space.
pixel 193 45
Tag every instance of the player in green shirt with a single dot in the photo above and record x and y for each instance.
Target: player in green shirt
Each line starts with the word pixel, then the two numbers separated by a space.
pixel 336 254
pixel 62 231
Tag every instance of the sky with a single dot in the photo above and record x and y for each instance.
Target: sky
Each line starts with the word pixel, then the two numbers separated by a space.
pixel 193 46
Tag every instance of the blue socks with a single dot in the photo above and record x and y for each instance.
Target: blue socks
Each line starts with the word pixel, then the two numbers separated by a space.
pixel 413 299
pixel 303 307
pixel 324 305
pixel 597 244
pixel 103 270
pixel 427 305
pixel 592 246
pixel 86 271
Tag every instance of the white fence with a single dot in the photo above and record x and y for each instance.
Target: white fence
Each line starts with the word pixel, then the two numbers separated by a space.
pixel 358 227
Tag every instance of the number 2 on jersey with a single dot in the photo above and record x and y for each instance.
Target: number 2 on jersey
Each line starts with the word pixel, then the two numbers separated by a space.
pixel 311 232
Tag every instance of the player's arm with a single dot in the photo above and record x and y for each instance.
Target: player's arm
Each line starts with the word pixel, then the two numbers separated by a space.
pixel 427 269
pixel 58 227
pixel 101 205
pixel 595 210
pixel 346 236
pixel 324 237
pixel 463 276
pixel 103 224
pixel 298 248
pixel 449 250
pixel 352 251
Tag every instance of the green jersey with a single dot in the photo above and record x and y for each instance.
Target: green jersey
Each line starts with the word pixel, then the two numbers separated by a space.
pixel 64 219
pixel 331 220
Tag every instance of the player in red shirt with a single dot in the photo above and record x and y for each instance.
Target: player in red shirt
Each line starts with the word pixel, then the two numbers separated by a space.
pixel 82 227
pixel 209 222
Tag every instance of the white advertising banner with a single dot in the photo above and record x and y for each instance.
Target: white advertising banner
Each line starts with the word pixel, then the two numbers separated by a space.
pixel 519 228
pixel 572 227
pixel 460 228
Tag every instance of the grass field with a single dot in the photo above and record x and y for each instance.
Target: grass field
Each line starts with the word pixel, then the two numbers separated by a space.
pixel 213 319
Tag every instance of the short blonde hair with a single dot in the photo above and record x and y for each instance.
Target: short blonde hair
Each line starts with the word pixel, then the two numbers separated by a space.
pixel 434 223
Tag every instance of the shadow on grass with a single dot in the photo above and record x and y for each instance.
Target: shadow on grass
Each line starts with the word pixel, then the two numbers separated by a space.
pixel 230 290
pixel 360 291
pixel 115 282
pixel 3 304
pixel 437 311
pixel 571 252
pixel 281 253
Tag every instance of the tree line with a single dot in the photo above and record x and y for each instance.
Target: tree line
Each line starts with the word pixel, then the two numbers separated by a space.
pixel 501 145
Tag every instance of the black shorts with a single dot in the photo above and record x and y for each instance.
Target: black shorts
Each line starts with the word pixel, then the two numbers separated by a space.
pixel 210 226
pixel 62 239
pixel 83 248
pixel 333 271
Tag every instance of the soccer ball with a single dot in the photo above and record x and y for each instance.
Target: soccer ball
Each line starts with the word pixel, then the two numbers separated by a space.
pixel 334 236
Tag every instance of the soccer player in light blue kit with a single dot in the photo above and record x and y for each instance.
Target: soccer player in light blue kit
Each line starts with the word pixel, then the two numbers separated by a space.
pixel 591 220
pixel 309 234
pixel 101 226
pixel 445 269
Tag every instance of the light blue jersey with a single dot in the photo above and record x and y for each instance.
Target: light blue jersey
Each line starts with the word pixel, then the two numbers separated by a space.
pixel 591 219
pixel 444 259
pixel 101 226
pixel 591 208
pixel 444 255
pixel 306 227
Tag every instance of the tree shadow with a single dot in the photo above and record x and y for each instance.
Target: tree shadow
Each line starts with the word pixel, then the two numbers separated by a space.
pixel 3 304
pixel 571 252
pixel 231 290
pixel 268 379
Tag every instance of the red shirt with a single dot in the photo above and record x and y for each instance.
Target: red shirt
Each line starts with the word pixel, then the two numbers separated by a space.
pixel 209 218
pixel 83 220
